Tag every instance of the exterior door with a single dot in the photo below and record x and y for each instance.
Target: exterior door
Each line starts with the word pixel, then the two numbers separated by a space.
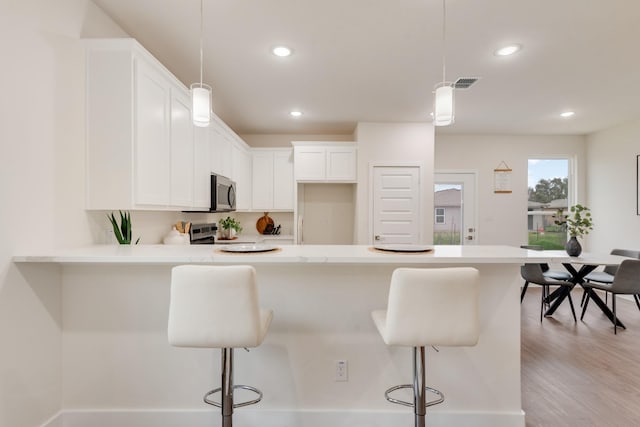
pixel 455 208
pixel 396 205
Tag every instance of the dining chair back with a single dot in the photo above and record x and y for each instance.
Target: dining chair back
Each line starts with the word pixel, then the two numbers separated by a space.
pixel 611 269
pixel 627 278
pixel 551 274
pixel 625 282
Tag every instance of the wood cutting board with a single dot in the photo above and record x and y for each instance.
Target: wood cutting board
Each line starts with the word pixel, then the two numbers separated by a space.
pixel 262 222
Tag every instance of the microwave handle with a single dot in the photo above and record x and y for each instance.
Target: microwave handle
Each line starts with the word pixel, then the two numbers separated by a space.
pixel 231 196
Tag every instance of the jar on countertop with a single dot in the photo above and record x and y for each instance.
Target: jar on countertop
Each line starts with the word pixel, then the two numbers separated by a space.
pixel 174 237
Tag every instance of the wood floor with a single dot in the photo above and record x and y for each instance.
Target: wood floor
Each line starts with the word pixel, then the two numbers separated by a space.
pixel 580 374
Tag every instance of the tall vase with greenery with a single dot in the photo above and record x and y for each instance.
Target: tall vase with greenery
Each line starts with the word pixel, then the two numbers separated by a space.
pixel 578 223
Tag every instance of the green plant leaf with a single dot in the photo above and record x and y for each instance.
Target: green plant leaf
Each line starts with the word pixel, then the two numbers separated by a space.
pixel 116 230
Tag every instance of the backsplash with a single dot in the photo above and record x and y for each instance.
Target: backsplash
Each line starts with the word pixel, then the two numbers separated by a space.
pixel 152 226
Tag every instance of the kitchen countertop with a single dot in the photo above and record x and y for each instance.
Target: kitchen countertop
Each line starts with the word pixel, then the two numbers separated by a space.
pixel 338 254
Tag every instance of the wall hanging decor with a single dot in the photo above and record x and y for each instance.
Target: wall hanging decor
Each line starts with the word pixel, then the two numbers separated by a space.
pixel 502 179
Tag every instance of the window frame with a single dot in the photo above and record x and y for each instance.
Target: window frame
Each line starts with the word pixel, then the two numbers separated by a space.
pixel 443 215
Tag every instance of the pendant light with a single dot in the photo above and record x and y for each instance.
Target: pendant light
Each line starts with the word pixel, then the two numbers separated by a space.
pixel 444 105
pixel 200 92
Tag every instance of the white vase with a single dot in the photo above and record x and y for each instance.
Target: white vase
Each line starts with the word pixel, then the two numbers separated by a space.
pixel 227 233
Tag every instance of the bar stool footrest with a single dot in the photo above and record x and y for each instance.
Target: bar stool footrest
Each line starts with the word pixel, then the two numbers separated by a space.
pixel 235 405
pixel 405 403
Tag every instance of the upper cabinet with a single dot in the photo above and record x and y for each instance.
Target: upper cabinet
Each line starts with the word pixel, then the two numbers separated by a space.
pixel 325 161
pixel 182 151
pixel 241 174
pixel 139 133
pixel 273 184
pixel 143 151
pixel 202 167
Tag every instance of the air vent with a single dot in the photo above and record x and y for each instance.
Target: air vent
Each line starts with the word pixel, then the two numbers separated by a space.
pixel 465 82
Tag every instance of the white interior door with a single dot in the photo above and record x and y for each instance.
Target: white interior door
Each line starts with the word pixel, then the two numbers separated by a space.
pixel 455 208
pixel 396 204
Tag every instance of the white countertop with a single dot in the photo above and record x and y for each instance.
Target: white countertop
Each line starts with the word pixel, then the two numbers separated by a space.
pixel 287 254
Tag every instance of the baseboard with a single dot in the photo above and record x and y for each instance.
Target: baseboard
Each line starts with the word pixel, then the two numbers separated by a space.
pixel 273 418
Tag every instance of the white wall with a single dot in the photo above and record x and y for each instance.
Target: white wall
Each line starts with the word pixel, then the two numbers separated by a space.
pixel 502 218
pixel 393 143
pixel 41 188
pixel 611 183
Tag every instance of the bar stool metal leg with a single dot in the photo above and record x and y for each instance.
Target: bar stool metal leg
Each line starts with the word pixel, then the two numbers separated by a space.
pixel 419 401
pixel 227 387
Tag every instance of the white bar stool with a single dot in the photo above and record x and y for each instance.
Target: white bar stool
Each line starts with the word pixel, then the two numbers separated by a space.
pixel 428 307
pixel 217 307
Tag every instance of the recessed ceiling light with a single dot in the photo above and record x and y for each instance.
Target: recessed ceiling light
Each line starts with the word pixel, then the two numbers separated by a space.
pixel 295 113
pixel 281 51
pixel 567 114
pixel 508 50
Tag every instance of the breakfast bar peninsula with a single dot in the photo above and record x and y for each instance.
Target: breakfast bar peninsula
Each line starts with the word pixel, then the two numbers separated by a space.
pixel 118 368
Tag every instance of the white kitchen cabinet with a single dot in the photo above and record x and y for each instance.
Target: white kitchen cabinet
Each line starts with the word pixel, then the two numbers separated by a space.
pixel 325 162
pixel 143 151
pixel 202 167
pixel 273 184
pixel 241 174
pixel 221 154
pixel 139 133
pixel 152 145
pixel 182 150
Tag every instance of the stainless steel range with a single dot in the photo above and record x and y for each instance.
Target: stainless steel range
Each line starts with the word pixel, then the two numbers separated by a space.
pixel 203 234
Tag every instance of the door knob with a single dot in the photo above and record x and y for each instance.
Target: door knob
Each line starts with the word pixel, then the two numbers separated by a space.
pixel 377 238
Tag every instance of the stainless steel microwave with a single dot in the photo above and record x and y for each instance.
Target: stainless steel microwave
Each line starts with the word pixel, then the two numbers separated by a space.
pixel 223 194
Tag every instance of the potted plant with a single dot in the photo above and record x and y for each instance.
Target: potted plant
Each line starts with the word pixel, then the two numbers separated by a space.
pixel 578 224
pixel 122 231
pixel 230 226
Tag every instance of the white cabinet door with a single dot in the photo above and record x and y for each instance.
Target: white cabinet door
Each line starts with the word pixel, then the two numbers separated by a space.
pixel 310 163
pixel 152 145
pixel 273 184
pixel 221 155
pixel 283 183
pixel 202 167
pixel 241 174
pixel 263 180
pixel 325 162
pixel 341 164
pixel 182 170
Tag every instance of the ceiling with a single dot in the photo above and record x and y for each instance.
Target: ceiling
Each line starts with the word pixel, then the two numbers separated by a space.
pixel 378 61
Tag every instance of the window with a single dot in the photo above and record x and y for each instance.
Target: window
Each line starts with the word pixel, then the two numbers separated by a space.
pixel 548 196
pixel 440 215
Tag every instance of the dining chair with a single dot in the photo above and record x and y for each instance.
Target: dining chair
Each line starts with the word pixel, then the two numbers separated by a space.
pixel 534 273
pixel 551 274
pixel 607 274
pixel 625 282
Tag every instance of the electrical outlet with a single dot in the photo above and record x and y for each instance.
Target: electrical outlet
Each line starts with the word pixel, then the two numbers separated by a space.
pixel 342 370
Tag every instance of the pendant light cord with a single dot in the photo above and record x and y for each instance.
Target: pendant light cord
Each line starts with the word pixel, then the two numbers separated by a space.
pixel 201 31
pixel 444 38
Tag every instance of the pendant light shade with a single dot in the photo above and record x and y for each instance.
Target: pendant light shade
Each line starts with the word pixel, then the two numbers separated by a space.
pixel 200 92
pixel 444 107
pixel 201 104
